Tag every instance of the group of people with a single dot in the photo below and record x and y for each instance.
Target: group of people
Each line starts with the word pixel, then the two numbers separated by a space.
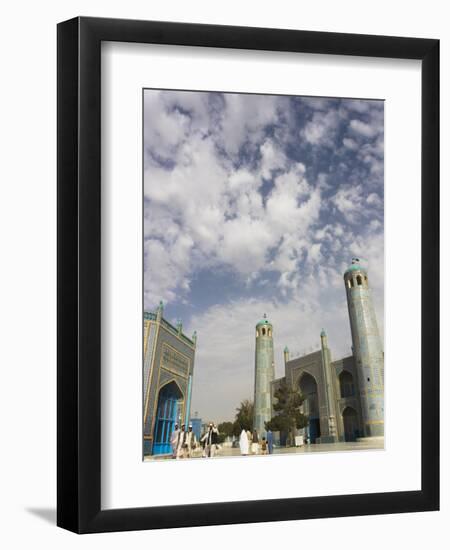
pixel 184 442
pixel 250 443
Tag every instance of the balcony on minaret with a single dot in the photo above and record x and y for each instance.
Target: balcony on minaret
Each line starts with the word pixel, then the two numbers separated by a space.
pixel 355 276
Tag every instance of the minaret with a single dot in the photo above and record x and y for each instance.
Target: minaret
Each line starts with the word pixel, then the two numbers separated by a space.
pixel 286 355
pixel 264 374
pixel 328 416
pixel 367 348
pixel 160 311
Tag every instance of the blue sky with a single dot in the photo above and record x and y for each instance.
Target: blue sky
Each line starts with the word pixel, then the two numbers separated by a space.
pixel 255 204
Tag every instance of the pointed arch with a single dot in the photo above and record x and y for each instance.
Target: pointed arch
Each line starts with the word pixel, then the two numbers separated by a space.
pixel 351 424
pixel 175 382
pixel 168 413
pixel 309 390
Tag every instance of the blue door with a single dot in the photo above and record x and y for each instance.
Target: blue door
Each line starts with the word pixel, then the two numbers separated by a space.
pixel 168 412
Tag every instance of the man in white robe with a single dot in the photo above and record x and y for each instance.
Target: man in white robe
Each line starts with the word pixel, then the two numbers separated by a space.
pixel 255 443
pixel 210 440
pixel 189 443
pixel 243 443
pixel 174 440
pixel 181 437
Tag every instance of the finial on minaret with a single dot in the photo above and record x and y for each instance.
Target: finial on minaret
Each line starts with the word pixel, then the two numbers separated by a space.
pixel 194 337
pixel 323 338
pixel 265 316
pixel 160 311
pixel 286 354
pixel 179 326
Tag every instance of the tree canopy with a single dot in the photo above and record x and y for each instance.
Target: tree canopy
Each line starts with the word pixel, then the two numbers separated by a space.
pixel 244 417
pixel 226 428
pixel 287 406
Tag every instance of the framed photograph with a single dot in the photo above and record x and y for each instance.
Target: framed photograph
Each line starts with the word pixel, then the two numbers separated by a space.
pixel 248 275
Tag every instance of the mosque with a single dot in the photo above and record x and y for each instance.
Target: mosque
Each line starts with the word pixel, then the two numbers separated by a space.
pixel 167 380
pixel 344 398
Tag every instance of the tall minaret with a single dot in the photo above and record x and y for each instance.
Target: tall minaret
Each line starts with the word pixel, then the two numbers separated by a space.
pixel 367 348
pixel 264 374
pixel 328 412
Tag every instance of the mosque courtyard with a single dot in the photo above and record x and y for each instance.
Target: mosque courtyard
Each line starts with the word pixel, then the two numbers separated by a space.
pixel 369 444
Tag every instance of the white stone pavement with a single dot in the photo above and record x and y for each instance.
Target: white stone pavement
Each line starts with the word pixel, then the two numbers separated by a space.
pixel 370 444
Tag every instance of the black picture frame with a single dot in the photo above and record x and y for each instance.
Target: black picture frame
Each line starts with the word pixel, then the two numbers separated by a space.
pixel 79 275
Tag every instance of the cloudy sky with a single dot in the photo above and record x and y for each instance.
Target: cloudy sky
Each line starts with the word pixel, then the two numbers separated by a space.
pixel 255 204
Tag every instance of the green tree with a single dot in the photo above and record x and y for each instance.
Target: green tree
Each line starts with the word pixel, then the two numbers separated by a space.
pixel 226 428
pixel 244 417
pixel 287 406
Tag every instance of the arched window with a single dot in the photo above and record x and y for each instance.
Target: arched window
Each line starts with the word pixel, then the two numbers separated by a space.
pixel 352 282
pixel 348 283
pixel 269 332
pixel 359 280
pixel 346 384
pixel 263 331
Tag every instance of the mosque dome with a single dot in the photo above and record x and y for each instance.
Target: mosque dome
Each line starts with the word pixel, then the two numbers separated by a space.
pixel 355 266
pixel 263 321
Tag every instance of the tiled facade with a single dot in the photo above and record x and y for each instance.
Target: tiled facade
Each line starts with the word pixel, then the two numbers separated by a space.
pixel 168 359
pixel 344 398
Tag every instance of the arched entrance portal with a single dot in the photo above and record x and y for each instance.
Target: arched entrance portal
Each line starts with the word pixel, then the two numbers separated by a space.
pixel 351 426
pixel 308 388
pixel 167 413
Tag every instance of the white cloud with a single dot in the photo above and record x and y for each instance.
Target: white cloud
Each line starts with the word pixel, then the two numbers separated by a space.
pixel 164 274
pixel 272 158
pixel 314 254
pixel 244 118
pixel 316 103
pixel 320 130
pixel 218 209
pixel 374 199
pixel 348 201
pixel 360 127
pixel 350 143
pixel 244 244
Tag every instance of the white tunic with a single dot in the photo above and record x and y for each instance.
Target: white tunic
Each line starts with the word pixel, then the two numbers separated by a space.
pixel 243 443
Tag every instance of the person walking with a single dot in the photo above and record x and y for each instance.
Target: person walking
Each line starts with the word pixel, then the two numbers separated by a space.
pixel 174 440
pixel 243 443
pixel 270 441
pixel 263 446
pixel 181 439
pixel 255 442
pixel 210 439
pixel 249 438
pixel 189 443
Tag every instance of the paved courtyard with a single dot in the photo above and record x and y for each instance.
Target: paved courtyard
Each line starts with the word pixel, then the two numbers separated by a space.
pixel 225 451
